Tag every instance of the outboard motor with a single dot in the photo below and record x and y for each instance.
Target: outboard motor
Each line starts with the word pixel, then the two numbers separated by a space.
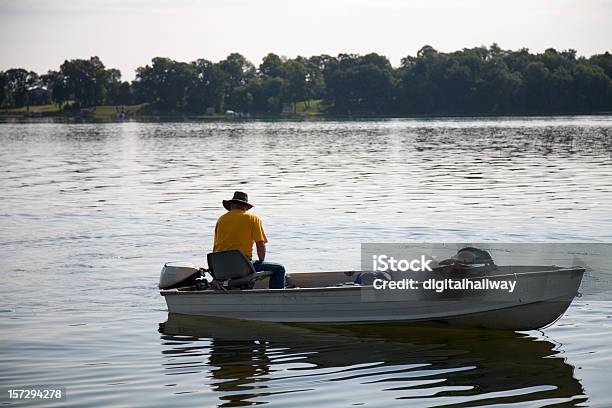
pixel 469 260
pixel 175 274
pixel 471 256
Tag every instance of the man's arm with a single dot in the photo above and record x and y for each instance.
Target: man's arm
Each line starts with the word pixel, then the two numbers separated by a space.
pixel 261 250
pixel 215 239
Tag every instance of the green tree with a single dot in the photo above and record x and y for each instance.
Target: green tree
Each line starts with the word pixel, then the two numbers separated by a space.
pixel 498 90
pixel 238 73
pixel 116 91
pixel 149 83
pixel 2 88
pixel 240 99
pixel 538 85
pixel 56 84
pixel 208 87
pixel 271 66
pixel 165 83
pixel 315 80
pixel 267 94
pixel 296 76
pixel 604 61
pixel 87 80
pixel 18 81
pixel 359 84
pixel 119 93
pixel 592 88
pixel 420 81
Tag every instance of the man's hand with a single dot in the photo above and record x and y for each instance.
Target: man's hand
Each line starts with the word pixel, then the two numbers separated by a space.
pixel 261 250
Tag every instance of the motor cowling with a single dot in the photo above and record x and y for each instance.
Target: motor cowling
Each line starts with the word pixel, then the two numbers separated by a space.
pixel 175 274
pixel 474 256
pixel 468 261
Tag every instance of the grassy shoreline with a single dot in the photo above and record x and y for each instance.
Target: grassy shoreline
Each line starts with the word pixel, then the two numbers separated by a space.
pixel 303 110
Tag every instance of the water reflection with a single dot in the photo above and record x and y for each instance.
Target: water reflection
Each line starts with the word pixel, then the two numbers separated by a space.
pixel 246 363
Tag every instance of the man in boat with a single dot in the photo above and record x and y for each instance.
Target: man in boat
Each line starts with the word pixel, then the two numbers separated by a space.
pixel 238 229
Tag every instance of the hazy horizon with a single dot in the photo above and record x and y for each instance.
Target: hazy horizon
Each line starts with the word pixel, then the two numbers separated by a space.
pixel 40 35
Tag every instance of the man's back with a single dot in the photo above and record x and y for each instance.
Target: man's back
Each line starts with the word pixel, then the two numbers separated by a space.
pixel 238 229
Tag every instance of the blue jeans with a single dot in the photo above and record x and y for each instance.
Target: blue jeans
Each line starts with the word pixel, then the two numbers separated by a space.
pixel 277 280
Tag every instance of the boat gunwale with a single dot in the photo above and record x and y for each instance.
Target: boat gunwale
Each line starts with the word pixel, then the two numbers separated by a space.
pixel 175 292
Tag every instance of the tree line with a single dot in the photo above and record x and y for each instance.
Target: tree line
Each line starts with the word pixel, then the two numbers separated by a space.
pixel 481 80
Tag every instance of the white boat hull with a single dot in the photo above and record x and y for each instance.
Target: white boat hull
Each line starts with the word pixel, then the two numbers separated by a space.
pixel 539 299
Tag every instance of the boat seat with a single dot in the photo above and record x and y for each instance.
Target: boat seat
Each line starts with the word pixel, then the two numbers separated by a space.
pixel 233 269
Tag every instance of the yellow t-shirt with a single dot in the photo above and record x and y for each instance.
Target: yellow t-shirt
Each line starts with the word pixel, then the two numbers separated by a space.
pixel 237 229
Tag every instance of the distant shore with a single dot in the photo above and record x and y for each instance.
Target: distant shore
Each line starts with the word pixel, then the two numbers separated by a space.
pixel 479 81
pixel 141 111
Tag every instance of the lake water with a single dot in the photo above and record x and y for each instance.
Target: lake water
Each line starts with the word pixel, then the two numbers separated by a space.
pixel 90 211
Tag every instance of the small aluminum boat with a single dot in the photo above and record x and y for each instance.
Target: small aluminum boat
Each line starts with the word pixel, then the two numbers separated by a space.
pixel 540 296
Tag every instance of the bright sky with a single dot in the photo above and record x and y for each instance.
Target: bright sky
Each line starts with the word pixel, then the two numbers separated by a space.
pixel 40 34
